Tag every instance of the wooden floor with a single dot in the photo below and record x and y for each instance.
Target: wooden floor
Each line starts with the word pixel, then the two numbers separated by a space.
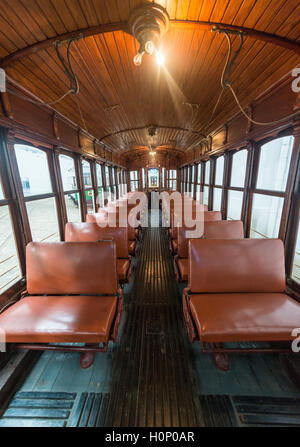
pixel 153 376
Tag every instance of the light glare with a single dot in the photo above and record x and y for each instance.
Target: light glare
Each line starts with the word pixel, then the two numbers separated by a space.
pixel 160 58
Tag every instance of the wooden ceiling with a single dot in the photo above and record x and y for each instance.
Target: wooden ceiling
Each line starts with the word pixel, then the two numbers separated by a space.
pixel 118 100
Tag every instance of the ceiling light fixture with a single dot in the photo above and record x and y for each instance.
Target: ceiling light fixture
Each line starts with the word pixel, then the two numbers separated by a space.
pixel 148 23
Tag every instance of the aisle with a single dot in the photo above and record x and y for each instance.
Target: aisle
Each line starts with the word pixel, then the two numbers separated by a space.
pixel 152 375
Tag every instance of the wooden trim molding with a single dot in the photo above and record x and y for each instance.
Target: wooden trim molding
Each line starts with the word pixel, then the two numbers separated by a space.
pixel 174 24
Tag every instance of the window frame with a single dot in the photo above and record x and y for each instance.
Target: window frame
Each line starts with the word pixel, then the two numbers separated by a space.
pixel 285 195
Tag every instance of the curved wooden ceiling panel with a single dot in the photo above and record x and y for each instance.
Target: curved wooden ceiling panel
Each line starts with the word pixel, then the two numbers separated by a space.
pixel 115 95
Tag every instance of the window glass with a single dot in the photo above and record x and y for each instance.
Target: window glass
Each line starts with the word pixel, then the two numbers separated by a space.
pixel 235 203
pixel 239 165
pixel 87 176
pixel 89 198
pixel 193 174
pixel 1 192
pixel 68 174
pixel 205 195
pixel 296 262
pixel 274 164
pixel 266 216
pixel 43 220
pixel 100 198
pixel 219 170
pixel 199 173
pixel 217 199
pixel 207 172
pixel 198 193
pixel 143 178
pixel 99 174
pixel 9 263
pixel 34 170
pixel 73 207
pixel 153 175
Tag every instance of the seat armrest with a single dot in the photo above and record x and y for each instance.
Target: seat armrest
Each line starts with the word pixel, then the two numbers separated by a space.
pixel 192 333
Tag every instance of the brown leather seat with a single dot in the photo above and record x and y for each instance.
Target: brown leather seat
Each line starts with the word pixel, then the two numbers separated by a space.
pixel 174 245
pixel 132 247
pixel 241 317
pixel 123 266
pixel 62 269
pixel 92 232
pixel 237 291
pixel 222 229
pixel 59 319
pixel 183 265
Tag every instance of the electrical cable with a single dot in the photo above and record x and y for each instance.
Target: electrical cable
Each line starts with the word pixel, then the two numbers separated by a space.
pixel 227 83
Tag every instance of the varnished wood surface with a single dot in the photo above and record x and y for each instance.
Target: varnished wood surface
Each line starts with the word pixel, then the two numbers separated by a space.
pixel 116 95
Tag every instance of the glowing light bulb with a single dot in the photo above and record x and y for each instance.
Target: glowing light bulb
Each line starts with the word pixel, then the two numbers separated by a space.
pixel 138 59
pixel 160 58
pixel 149 47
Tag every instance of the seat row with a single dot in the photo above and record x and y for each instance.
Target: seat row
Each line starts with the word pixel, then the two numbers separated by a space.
pixel 236 289
pixel 74 290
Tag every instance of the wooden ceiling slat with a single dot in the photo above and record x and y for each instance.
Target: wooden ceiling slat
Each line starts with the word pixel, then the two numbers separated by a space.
pixel 19 18
pixel 116 95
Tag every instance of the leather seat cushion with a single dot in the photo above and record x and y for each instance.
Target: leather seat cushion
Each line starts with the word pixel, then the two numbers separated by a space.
pixel 174 245
pixel 240 317
pixel 132 247
pixel 59 319
pixel 123 267
pixel 183 265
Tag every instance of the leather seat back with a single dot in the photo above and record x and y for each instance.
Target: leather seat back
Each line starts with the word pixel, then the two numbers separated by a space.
pixel 91 232
pixel 236 265
pixel 82 268
pixel 222 229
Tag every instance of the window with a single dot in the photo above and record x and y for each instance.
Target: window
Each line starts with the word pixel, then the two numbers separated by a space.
pixel 38 193
pixel 266 216
pixel 153 176
pixel 217 204
pixel 34 170
pixel 100 197
pixel 114 185
pixel 70 188
pixel 88 186
pixel 163 174
pixel 199 182
pixel 236 190
pixel 219 171
pixel 143 179
pixel 296 259
pixel 172 182
pixel 269 195
pixel 1 192
pixel 275 158
pixel 235 203
pixel 10 271
pixel 238 170
pixel 134 182
pixel 192 181
pixel 218 186
pixel 206 183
